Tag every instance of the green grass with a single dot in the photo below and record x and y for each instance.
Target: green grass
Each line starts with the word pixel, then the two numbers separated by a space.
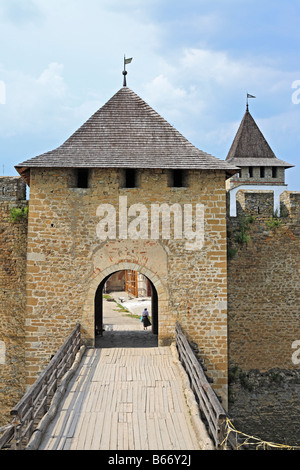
pixel 122 309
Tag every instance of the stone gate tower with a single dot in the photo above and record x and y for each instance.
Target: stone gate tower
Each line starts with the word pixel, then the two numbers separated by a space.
pixel 127 191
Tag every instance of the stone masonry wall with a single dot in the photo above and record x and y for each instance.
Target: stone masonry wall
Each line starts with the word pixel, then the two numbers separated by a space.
pixel 13 239
pixel 264 316
pixel 12 188
pixel 67 261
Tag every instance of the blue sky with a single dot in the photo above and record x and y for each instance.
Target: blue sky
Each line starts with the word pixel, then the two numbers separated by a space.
pixel 193 62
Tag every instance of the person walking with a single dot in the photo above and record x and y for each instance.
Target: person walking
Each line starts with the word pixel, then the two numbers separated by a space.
pixel 145 319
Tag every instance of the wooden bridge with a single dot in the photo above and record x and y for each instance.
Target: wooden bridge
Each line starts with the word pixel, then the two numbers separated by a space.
pixel 119 399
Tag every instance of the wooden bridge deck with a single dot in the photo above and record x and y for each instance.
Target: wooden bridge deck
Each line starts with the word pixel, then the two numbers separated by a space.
pixel 124 399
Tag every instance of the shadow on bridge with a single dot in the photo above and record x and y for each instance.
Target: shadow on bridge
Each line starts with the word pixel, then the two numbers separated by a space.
pixel 126 339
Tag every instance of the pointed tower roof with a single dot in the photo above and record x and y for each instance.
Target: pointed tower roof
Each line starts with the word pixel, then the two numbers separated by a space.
pixel 250 147
pixel 126 133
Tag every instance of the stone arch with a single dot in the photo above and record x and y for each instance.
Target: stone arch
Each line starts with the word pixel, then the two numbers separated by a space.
pixel 147 258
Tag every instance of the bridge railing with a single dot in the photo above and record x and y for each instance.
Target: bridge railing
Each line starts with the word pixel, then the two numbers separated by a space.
pixel 35 403
pixel 210 406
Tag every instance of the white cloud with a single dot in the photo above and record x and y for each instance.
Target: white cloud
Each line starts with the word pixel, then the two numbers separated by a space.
pixel 51 81
pixel 32 102
pixel 20 13
pixel 219 68
pixel 204 96
pixel 213 77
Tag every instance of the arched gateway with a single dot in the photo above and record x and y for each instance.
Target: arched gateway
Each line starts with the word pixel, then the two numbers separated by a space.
pixel 151 261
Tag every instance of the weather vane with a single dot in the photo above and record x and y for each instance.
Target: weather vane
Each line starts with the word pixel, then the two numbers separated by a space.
pixel 126 61
pixel 249 96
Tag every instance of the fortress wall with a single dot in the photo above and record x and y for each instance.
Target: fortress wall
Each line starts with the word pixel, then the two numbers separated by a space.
pixel 13 241
pixel 264 315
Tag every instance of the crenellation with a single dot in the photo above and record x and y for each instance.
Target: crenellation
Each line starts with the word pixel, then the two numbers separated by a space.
pixel 12 188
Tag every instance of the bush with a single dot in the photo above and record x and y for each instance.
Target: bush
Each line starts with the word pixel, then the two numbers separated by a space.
pixel 18 213
pixel 273 223
pixel 242 236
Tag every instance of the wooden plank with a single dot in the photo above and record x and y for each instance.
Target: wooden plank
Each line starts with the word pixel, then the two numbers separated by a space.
pixel 90 430
pixel 151 433
pixel 176 418
pixel 129 393
pixel 141 398
pixel 107 390
pixel 159 405
pixel 130 431
pixel 151 400
pixel 68 443
pixel 113 442
pixel 168 398
pixel 120 436
pixel 159 442
pixel 175 444
pixel 83 431
pixel 73 423
pixel 98 429
pixel 114 399
pixel 125 435
pixel 136 410
pixel 105 437
pixel 6 436
pixel 143 431
pixel 164 433
pixel 58 425
pixel 136 431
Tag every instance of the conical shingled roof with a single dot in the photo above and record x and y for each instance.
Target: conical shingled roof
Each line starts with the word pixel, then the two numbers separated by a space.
pixel 126 133
pixel 250 147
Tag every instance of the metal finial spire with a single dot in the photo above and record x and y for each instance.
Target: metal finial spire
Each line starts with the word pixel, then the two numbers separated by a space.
pixel 249 96
pixel 126 61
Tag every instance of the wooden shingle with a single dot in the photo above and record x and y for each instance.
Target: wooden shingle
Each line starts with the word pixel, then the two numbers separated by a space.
pixel 250 147
pixel 126 133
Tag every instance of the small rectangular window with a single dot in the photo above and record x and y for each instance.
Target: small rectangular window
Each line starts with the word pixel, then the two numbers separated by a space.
pixel 177 179
pixel 130 178
pixel 82 178
pixel 274 172
pixel 262 171
pixel 250 172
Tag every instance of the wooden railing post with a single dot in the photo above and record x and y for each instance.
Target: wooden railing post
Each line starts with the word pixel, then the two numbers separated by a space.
pixel 35 403
pixel 210 406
